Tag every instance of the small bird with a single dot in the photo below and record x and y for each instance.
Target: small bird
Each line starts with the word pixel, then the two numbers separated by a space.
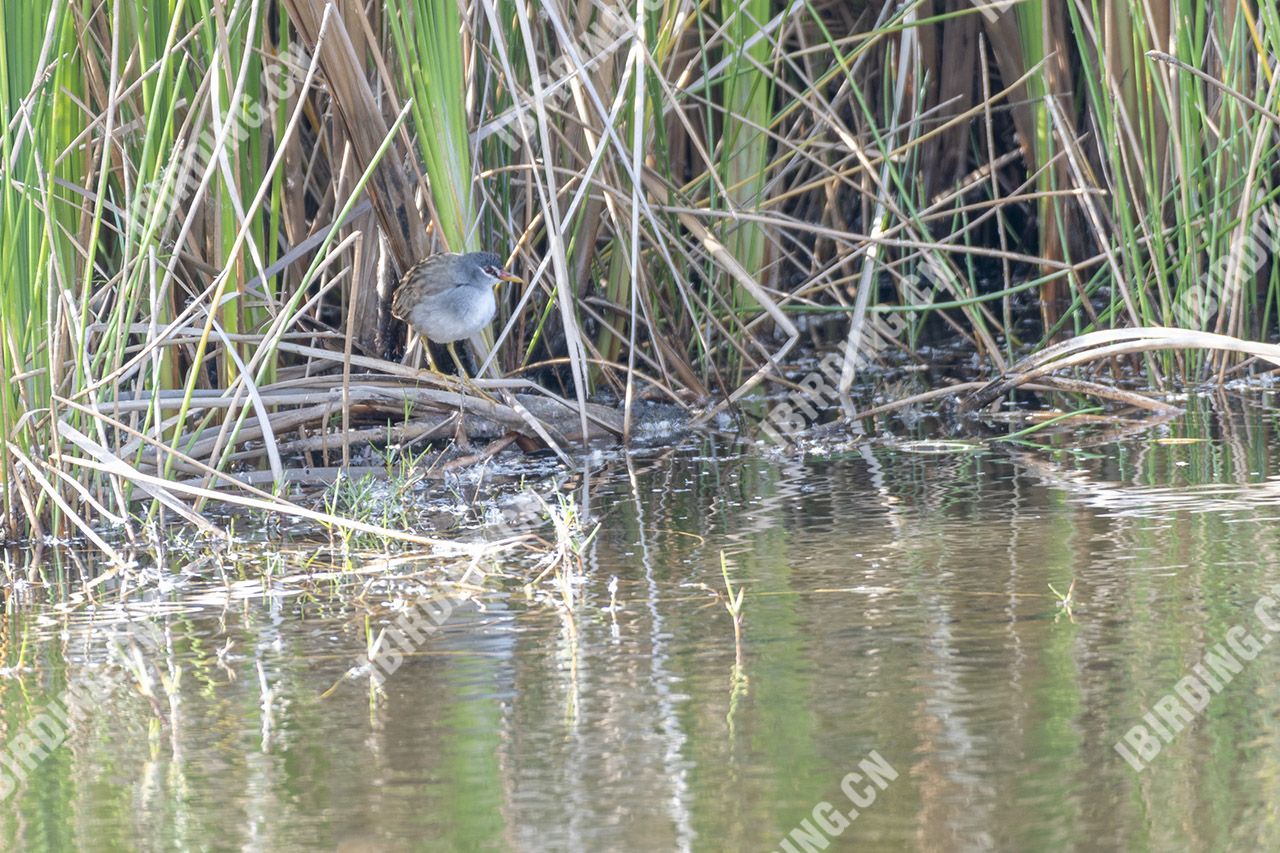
pixel 448 297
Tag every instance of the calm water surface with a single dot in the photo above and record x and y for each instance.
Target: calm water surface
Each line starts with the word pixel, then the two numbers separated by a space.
pixel 898 603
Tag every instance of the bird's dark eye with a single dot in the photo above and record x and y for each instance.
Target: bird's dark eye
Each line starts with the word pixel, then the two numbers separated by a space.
pixel 493 271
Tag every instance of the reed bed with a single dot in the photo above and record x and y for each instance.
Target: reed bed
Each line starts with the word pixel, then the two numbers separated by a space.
pixel 207 204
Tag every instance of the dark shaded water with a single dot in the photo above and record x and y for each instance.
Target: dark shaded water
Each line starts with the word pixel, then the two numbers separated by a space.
pixel 897 606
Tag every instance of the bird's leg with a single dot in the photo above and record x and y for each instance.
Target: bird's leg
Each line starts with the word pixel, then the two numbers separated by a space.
pixel 465 378
pixel 435 368
pixel 431 360
pixel 460 433
pixel 457 362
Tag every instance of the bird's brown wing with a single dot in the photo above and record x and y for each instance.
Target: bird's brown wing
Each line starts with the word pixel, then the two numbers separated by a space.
pixel 417 282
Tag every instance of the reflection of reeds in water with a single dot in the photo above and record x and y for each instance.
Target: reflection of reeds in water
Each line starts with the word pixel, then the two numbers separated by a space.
pixel 1221 461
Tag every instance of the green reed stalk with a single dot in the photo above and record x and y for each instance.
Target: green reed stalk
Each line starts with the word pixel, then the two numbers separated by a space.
pixel 429 42
pixel 40 78
pixel 1185 162
pixel 744 144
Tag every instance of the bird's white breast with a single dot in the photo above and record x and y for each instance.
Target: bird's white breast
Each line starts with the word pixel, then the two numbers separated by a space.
pixel 454 315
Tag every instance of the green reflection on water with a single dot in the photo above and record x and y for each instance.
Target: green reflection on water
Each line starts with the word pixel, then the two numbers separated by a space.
pixel 895 602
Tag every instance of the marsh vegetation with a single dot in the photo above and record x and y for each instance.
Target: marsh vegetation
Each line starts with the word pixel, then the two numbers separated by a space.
pixel 207 205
